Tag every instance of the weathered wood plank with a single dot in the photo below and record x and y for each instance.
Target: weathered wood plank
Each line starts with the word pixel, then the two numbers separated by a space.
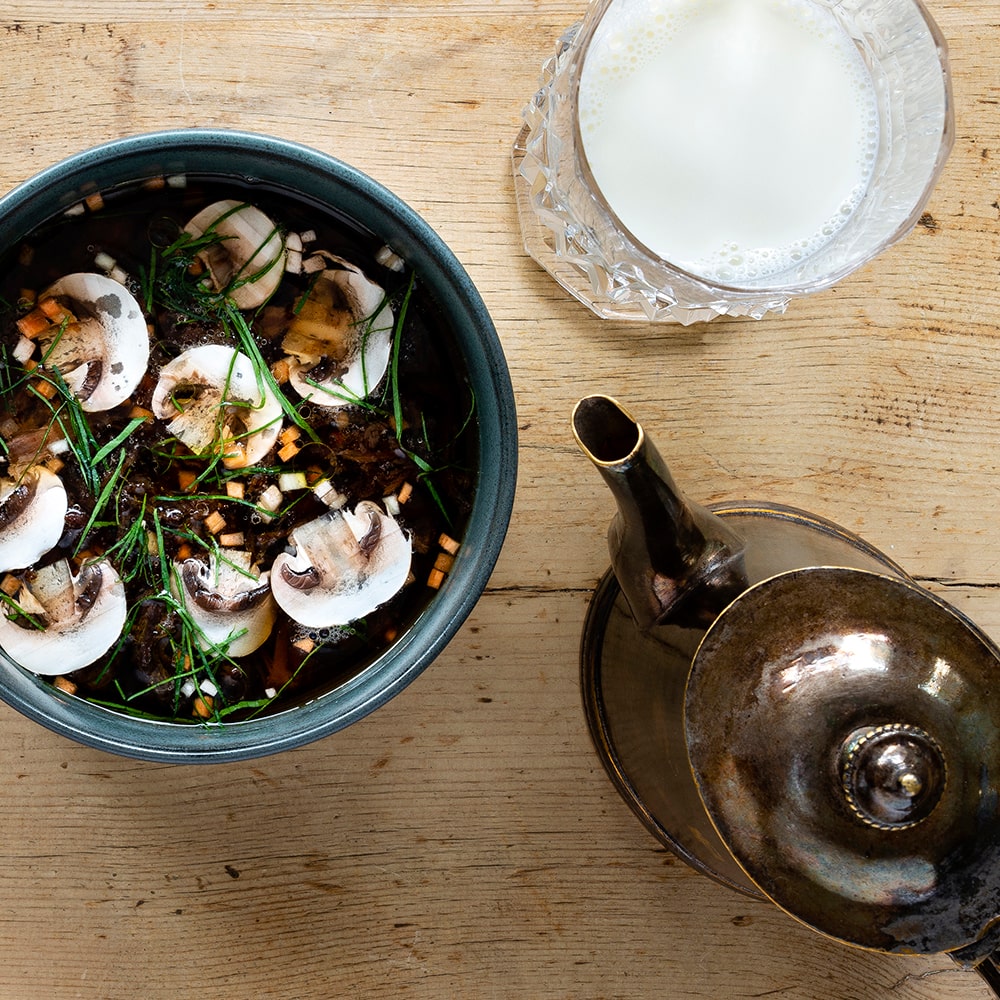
pixel 464 841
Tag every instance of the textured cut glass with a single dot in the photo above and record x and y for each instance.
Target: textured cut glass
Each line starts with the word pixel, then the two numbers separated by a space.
pixel 572 232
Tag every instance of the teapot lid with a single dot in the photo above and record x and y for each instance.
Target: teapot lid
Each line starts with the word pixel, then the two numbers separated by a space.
pixel 843 728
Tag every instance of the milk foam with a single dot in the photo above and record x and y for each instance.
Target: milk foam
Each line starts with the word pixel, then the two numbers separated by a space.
pixel 731 137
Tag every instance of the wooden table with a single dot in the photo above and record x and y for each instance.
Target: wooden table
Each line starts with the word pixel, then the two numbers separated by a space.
pixel 464 841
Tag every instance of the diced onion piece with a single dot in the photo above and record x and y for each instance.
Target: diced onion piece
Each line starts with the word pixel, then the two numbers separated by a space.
pixel 23 349
pixel 270 499
pixel 290 481
pixel 387 257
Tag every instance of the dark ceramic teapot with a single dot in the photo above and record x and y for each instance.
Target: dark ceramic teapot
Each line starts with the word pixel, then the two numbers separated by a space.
pixel 791 714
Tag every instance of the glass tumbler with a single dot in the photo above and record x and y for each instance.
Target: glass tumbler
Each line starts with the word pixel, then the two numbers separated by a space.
pixel 571 228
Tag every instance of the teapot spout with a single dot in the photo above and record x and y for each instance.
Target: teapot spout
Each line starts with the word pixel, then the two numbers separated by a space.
pixel 677 563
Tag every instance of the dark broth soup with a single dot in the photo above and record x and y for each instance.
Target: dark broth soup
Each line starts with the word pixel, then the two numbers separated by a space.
pixel 173 514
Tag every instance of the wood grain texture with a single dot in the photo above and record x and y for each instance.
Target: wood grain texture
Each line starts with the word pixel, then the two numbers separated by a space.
pixel 463 841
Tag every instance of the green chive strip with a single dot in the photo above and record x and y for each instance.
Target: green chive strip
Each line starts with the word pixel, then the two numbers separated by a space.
pixel 19 612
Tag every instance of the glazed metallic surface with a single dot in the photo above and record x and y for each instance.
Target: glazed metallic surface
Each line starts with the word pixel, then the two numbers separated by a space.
pixel 675 562
pixel 801 671
pixel 633 676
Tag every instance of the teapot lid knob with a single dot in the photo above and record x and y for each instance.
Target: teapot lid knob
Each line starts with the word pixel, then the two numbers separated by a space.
pixel 892 775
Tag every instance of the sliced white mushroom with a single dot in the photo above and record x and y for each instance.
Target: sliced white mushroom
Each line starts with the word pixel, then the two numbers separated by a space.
pixel 68 621
pixel 217 404
pixel 247 260
pixel 345 565
pixel 229 600
pixel 102 350
pixel 340 338
pixel 32 517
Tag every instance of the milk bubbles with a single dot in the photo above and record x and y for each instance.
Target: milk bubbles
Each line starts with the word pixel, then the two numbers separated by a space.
pixel 733 138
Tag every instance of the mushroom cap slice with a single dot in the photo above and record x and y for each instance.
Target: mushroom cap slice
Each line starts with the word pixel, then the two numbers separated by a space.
pixel 229 600
pixel 247 262
pixel 217 405
pixel 32 517
pixel 103 355
pixel 83 617
pixel 340 339
pixel 345 565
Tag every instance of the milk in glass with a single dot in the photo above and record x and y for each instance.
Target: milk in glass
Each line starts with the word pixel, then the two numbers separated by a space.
pixel 733 138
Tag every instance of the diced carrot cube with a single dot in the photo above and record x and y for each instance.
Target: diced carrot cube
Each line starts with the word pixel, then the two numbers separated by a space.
pixel 55 311
pixel 448 544
pixel 64 684
pixel 45 388
pixel 234 454
pixel 34 324
pixel 444 562
pixel 202 707
pixel 215 522
pixel 280 371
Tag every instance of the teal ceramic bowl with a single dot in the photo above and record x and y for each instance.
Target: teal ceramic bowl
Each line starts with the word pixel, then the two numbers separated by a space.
pixel 364 203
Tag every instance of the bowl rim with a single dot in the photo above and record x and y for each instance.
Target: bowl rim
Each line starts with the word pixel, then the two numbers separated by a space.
pixel 368 203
